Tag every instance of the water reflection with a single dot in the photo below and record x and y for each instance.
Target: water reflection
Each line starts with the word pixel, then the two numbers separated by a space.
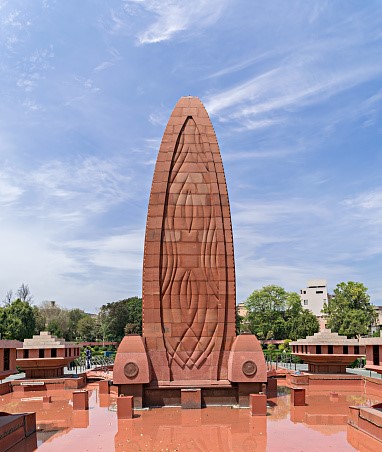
pixel 210 429
pixel 320 425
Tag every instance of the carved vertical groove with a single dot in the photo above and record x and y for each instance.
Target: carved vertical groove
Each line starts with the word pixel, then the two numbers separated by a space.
pixel 188 199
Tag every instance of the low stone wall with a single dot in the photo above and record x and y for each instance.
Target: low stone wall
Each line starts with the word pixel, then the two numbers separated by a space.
pixel 373 386
pixel 22 386
pixel 347 381
pixel 18 431
pixel 367 420
pixel 5 388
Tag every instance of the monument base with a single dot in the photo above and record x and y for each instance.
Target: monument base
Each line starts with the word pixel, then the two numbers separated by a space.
pixel 246 373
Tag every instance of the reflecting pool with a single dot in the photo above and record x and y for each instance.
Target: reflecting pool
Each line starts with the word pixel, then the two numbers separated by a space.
pixel 319 426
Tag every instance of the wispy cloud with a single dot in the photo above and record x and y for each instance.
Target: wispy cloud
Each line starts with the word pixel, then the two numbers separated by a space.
pixel 9 193
pixel 14 25
pixel 89 184
pixel 308 75
pixel 83 87
pixel 171 17
pixel 240 65
pixel 241 156
pixel 121 251
pixel 68 192
pixel 288 86
pixel 367 206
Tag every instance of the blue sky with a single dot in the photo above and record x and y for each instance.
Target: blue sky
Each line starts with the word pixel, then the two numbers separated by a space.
pixel 293 89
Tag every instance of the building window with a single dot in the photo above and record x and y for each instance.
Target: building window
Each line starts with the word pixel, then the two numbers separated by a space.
pixel 306 302
pixel 41 353
pixel 346 349
pixel 376 355
pixel 6 358
pixel 356 349
pixel 53 353
pixel 304 291
pixel 26 353
pixel 318 349
pixel 330 349
pixel 319 291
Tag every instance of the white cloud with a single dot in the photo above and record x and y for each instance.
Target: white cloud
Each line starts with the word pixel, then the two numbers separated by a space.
pixel 241 156
pixel 172 17
pixel 9 193
pixel 288 86
pixel 102 66
pixel 119 252
pixel 88 185
pixel 250 213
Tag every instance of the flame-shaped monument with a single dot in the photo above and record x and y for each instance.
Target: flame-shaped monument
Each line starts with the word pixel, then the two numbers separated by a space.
pixel 189 311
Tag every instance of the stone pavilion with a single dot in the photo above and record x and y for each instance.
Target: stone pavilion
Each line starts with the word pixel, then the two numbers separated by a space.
pixel 327 353
pixel 45 356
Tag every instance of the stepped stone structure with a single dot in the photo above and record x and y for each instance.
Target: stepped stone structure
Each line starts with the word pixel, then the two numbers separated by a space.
pixel 326 352
pixel 189 309
pixel 45 356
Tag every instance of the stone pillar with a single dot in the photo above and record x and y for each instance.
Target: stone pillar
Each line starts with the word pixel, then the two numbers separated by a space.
pixel 191 398
pixel 258 404
pixel 80 400
pixel 125 407
pixel 298 397
pixel 271 385
pixel 103 387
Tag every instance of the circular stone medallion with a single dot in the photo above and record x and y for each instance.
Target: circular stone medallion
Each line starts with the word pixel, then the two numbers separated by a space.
pixel 131 370
pixel 249 368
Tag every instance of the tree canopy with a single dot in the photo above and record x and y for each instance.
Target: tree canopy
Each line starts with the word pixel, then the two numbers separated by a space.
pixel 349 310
pixel 17 320
pixel 274 313
pixel 20 320
pixel 121 317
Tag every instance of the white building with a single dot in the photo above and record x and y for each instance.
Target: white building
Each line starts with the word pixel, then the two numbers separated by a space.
pixel 314 296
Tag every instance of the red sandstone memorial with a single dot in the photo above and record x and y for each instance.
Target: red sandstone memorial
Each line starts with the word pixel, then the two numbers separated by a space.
pixel 189 309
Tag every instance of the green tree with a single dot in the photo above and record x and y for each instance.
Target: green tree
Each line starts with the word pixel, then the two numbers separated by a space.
pixel 274 313
pixel 349 310
pixel 300 322
pixel 74 317
pixel 87 328
pixel 304 324
pixel 265 314
pixel 239 323
pixel 54 328
pixel 17 320
pixel 56 319
pixel 120 318
pixel 39 320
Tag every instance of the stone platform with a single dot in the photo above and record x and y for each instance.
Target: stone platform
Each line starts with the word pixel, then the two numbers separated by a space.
pixel 347 381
